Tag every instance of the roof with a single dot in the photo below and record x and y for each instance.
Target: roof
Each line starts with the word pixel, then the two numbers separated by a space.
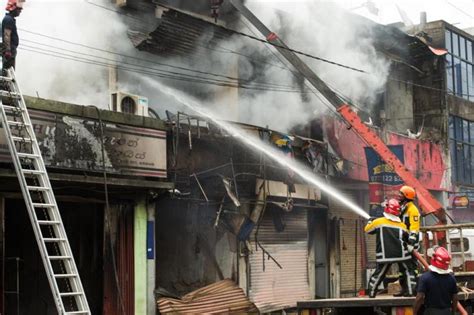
pixel 218 298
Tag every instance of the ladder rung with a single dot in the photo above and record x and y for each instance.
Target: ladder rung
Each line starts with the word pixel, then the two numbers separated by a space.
pixel 43 205
pixel 9 94
pixel 59 257
pixel 12 108
pixel 71 293
pixel 21 139
pixel 44 222
pixel 2 78
pixel 52 240
pixel 65 275
pixel 37 188
pixel 28 155
pixel 32 172
pixel 77 312
pixel 16 123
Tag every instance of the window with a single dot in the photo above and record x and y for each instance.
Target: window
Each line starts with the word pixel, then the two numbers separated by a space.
pixel 448 41
pixel 459 65
pixel 469 50
pixel 456 245
pixel 461 148
pixel 449 73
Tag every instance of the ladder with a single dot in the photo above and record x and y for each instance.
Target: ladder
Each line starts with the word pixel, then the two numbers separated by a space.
pixel 58 260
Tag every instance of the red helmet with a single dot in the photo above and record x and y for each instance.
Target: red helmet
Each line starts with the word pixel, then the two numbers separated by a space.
pixel 441 258
pixel 392 207
pixel 14 4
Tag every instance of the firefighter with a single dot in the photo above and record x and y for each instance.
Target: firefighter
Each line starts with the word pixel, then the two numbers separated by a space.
pixel 390 248
pixel 437 289
pixel 411 217
pixel 10 38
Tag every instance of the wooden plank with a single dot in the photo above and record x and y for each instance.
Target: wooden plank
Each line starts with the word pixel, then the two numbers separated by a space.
pixel 381 300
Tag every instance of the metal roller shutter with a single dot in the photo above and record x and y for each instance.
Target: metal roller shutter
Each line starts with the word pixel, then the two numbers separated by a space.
pixel 272 288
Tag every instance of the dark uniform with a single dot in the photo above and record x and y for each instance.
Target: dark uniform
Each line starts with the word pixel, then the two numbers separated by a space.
pixel 390 249
pixel 9 22
pixel 438 290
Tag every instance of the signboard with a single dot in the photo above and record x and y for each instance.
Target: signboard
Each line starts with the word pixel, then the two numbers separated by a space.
pixel 75 143
pixel 384 183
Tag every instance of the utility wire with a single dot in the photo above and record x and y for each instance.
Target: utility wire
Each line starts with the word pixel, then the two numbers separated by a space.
pixel 129 56
pixel 153 73
pixel 214 74
pixel 258 39
pixel 156 69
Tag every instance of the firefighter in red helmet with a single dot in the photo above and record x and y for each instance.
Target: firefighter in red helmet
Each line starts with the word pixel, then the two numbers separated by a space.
pixel 10 38
pixel 390 248
pixel 437 288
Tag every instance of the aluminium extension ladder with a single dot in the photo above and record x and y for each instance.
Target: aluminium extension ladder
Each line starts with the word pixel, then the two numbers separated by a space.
pixel 58 260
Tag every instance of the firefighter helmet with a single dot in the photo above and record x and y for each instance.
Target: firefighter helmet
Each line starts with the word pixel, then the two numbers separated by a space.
pixel 14 4
pixel 408 192
pixel 392 207
pixel 441 259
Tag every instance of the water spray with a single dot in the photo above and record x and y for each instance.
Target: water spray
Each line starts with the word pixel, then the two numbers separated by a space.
pixel 266 149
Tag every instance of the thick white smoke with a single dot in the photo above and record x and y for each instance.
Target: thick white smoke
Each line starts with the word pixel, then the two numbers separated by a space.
pixel 315 27
pixel 324 30
pixel 76 21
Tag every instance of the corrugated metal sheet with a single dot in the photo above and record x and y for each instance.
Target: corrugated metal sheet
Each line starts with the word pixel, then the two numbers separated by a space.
pixel 223 297
pixel 179 33
pixel 272 288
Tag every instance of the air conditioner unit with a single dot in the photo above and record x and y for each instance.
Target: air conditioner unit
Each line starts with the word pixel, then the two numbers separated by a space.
pixel 128 103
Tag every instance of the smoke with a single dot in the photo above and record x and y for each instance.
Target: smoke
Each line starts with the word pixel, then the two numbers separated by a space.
pixel 317 28
pixel 73 20
pixel 324 30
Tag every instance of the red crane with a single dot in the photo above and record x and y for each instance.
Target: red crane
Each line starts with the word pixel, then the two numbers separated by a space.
pixel 428 204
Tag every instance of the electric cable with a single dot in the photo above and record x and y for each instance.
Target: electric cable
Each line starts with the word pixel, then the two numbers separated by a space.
pixel 154 73
pixel 107 208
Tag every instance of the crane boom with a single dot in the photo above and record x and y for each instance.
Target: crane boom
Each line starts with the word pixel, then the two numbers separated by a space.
pixel 428 204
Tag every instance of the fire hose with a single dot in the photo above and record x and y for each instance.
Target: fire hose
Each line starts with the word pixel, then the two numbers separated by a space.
pixel 426 266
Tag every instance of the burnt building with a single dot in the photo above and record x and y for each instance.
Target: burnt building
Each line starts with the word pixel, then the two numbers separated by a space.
pixel 105 185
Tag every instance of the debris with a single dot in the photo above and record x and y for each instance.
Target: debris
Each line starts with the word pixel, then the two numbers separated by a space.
pixel 223 297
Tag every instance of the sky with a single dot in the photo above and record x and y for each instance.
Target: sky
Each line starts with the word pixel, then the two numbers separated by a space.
pixel 458 12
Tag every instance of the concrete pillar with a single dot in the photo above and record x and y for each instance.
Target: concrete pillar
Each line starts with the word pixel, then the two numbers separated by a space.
pixel 140 261
pixel 151 262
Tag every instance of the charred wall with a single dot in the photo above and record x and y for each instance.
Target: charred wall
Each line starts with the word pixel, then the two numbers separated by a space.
pixel 84 227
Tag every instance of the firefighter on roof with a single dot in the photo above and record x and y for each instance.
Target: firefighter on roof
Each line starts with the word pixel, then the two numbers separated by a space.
pixel 390 248
pixel 411 217
pixel 9 33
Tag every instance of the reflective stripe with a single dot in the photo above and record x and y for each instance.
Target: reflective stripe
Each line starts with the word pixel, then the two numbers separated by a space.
pixel 378 279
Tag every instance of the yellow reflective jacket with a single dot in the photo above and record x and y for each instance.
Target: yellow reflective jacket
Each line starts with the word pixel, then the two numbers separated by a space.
pixel 390 247
pixel 411 217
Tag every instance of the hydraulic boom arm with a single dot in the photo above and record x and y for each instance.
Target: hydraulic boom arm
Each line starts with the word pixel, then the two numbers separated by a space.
pixel 427 202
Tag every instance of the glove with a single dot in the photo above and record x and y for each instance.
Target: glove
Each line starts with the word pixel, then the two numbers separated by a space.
pixel 7 54
pixel 410 248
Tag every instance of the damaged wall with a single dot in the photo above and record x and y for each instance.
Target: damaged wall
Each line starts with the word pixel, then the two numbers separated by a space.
pixel 190 252
pixel 425 159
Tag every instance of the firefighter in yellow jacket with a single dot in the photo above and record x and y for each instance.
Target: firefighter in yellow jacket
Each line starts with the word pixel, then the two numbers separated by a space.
pixel 410 215
pixel 390 247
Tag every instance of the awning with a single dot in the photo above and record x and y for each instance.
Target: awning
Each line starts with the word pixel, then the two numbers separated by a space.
pixel 223 297
pixel 438 51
